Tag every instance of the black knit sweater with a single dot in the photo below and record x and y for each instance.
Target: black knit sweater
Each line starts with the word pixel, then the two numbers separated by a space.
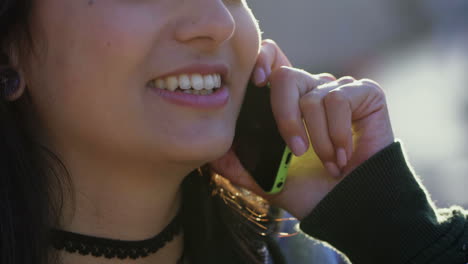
pixel 380 213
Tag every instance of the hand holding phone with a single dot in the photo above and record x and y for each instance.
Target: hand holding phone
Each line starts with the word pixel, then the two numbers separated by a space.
pixel 258 143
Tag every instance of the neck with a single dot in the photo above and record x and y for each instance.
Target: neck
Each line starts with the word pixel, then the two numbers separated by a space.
pixel 124 201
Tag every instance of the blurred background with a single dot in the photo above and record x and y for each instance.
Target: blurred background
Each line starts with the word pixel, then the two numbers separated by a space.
pixel 417 50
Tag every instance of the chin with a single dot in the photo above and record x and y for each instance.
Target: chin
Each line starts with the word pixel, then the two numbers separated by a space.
pixel 201 151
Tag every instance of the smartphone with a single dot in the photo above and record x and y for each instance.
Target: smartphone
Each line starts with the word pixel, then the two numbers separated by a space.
pixel 258 143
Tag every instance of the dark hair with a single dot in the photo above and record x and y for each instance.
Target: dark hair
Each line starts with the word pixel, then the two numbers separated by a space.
pixel 214 226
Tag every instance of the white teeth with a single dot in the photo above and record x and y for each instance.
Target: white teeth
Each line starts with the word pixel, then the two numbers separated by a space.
pixel 218 80
pixel 197 82
pixel 160 84
pixel 209 82
pixel 184 82
pixel 172 83
pixel 215 80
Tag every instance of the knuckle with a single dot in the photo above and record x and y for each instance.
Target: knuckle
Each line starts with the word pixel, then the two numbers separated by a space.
pixel 264 58
pixel 370 83
pixel 312 99
pixel 330 85
pixel 346 79
pixel 335 97
pixel 327 76
pixel 321 80
pixel 270 47
pixel 373 86
pixel 269 42
pixel 262 55
pixel 282 73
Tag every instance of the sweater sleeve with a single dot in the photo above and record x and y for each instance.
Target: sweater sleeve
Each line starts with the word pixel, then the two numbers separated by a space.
pixel 381 213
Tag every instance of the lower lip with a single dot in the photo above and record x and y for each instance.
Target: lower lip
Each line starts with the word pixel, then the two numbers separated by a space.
pixel 217 99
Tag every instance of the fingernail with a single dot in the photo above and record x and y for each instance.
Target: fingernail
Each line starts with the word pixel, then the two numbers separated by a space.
pixel 332 169
pixel 341 157
pixel 259 75
pixel 298 146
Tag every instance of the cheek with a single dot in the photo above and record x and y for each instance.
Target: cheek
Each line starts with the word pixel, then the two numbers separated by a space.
pixel 90 78
pixel 246 46
pixel 247 39
pixel 106 47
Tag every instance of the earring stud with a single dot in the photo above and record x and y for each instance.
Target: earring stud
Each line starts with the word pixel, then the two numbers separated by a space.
pixel 9 82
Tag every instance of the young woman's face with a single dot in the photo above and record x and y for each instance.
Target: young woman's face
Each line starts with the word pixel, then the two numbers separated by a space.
pixel 90 81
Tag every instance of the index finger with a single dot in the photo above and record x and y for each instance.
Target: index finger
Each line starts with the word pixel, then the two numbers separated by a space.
pixel 288 85
pixel 270 58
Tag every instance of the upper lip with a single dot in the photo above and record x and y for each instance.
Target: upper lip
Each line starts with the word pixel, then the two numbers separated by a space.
pixel 200 68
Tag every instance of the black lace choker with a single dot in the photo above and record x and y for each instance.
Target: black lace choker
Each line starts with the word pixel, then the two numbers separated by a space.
pixel 113 248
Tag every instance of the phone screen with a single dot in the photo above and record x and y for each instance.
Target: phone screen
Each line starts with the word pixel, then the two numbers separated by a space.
pixel 258 143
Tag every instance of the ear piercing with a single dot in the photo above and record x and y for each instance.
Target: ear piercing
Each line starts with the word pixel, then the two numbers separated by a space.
pixel 9 82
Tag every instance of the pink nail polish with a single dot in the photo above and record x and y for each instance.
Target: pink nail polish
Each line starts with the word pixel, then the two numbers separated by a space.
pixel 298 146
pixel 259 75
pixel 341 158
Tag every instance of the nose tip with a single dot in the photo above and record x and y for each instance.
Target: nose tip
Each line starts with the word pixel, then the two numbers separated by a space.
pixel 210 23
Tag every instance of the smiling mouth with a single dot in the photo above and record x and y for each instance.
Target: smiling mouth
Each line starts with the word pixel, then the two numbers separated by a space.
pixel 198 84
